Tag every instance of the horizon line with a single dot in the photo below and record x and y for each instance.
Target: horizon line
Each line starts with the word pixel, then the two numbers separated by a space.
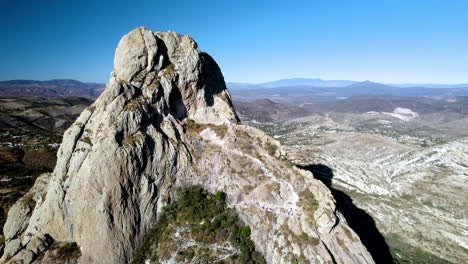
pixel 260 83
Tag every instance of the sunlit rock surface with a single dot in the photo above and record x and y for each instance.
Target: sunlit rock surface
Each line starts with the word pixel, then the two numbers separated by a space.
pixel 165 121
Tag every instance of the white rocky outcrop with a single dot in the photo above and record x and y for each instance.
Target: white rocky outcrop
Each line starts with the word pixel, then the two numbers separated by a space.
pixel 126 154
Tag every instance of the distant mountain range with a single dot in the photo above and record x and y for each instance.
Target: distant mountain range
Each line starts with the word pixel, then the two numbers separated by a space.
pixel 316 82
pixel 303 94
pixel 299 90
pixel 309 82
pixel 52 88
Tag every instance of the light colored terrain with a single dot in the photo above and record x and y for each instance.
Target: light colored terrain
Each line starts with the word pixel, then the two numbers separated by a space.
pixel 414 187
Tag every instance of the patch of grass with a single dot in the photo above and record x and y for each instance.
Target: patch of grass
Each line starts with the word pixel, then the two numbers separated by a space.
pixel 209 222
pixel 154 84
pixel 170 69
pixel 243 134
pixel 195 128
pixel 63 252
pixel 86 140
pixel 309 203
pixel 91 107
pixel 28 200
pixel 220 130
pixel 134 104
pixel 133 139
pixel 306 239
pixel 191 125
pixel 271 148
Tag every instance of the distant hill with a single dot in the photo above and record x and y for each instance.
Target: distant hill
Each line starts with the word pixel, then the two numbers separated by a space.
pixel 52 88
pixel 296 91
pixel 316 82
pixel 303 94
pixel 307 81
pixel 40 113
pixel 243 86
pixel 368 85
pixel 387 103
pixel 430 85
pixel 267 111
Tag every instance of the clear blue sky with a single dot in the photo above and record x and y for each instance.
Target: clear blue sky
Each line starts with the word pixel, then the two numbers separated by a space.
pixel 252 41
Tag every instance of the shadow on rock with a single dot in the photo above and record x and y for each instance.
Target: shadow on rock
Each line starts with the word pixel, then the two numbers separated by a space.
pixel 360 221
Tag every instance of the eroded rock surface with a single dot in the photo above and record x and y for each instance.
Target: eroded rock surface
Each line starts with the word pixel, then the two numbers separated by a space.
pixel 165 121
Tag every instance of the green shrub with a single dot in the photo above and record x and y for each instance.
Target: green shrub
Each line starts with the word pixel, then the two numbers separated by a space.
pixel 63 252
pixel 271 149
pixel 209 220
pixel 245 232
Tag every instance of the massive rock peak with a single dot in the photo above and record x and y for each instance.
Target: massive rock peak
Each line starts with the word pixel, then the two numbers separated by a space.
pixel 165 121
pixel 191 81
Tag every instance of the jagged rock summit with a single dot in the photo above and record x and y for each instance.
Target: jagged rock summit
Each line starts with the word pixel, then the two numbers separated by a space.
pixel 165 121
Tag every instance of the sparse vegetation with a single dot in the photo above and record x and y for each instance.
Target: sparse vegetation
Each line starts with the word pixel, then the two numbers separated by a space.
pixel 208 221
pixel 24 154
pixel 195 128
pixel 134 104
pixel 306 239
pixel 91 107
pixel 170 69
pixel 133 139
pixel 309 203
pixel 154 84
pixel 404 253
pixel 271 148
pixel 64 252
pixel 220 130
pixel 86 140
pixel 191 125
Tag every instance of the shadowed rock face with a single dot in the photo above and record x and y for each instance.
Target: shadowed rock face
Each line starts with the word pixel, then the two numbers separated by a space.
pixel 361 222
pixel 124 157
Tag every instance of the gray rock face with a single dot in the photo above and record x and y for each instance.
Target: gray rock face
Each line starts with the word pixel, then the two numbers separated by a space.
pixel 165 121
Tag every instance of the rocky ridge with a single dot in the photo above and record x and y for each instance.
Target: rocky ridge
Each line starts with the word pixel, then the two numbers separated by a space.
pixel 50 89
pixel 164 122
